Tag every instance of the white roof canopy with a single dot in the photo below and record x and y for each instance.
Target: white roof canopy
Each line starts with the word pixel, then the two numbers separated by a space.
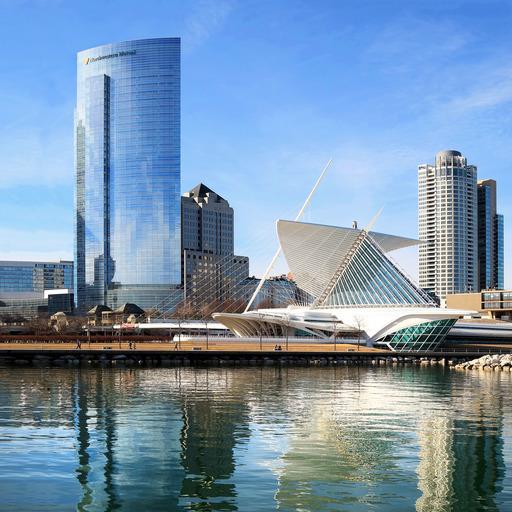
pixel 314 251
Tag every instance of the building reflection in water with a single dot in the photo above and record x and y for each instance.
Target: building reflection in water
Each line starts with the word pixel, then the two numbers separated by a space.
pixel 212 428
pixel 461 451
pixel 199 439
pixel 174 448
pixel 95 424
pixel 335 454
pixel 368 434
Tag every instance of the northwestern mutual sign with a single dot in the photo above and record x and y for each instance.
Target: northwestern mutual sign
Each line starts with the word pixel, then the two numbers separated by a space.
pixel 89 60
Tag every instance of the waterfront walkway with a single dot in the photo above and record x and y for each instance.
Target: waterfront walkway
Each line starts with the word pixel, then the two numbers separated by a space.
pixel 186 346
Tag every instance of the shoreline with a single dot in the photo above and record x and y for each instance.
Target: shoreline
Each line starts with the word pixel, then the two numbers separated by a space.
pixel 167 358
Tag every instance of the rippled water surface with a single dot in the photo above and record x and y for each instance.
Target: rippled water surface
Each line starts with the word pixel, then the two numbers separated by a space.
pixel 255 439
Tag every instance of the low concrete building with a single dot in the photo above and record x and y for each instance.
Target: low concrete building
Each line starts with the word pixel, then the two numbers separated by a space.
pixel 127 313
pixel 496 304
pixel 277 291
pixel 95 315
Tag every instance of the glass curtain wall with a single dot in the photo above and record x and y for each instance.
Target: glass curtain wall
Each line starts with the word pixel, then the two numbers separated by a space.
pixel 371 279
pixel 127 134
pixel 499 252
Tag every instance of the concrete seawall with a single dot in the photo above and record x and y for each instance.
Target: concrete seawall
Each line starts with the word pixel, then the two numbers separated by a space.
pixel 140 357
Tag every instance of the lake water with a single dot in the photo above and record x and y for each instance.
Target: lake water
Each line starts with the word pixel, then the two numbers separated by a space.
pixel 255 439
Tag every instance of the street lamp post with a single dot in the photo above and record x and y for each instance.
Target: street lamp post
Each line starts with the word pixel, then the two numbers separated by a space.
pixel 261 333
pixel 359 326
pixel 287 329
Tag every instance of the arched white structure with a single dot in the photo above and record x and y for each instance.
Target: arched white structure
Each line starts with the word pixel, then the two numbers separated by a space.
pixel 356 288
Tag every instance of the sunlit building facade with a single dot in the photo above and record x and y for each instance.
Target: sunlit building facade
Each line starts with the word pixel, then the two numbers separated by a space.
pixel 276 291
pixel 447 218
pixel 22 278
pixel 211 271
pixel 355 289
pixel 127 141
pixel 29 289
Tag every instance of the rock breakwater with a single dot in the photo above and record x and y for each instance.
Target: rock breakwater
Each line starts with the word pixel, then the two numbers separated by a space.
pixel 488 362
pixel 203 358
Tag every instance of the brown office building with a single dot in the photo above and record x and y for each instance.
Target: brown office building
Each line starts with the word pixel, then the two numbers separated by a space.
pixel 496 304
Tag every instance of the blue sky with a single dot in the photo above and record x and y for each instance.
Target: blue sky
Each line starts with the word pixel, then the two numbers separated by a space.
pixel 270 91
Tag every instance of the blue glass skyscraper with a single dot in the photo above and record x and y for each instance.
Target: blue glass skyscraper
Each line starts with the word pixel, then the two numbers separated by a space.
pixel 127 143
pixel 490 237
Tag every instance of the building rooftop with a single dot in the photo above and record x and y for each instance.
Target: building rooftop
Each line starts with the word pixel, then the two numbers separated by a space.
pixel 201 191
pixel 98 309
pixel 448 152
pixel 129 309
pixel 20 263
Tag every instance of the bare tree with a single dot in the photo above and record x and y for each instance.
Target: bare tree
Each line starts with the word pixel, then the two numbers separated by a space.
pixel 15 318
pixel 74 325
pixel 335 331
pixel 186 311
pixel 232 305
pixel 359 323
pixel 287 327
pixel 153 312
pixel 39 325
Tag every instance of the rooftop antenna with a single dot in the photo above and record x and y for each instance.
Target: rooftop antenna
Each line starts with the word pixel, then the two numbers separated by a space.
pixel 278 252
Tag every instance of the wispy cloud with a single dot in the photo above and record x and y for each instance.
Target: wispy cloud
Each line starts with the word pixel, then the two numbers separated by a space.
pixel 207 17
pixel 495 89
pixel 443 70
pixel 414 40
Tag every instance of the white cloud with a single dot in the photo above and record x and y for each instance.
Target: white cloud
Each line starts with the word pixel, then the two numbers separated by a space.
pixel 207 17
pixel 412 40
pixel 495 89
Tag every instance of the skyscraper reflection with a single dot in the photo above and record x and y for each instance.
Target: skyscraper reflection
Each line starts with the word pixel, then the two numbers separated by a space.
pixel 461 452
pixel 253 439
pixel 212 429
pixel 175 448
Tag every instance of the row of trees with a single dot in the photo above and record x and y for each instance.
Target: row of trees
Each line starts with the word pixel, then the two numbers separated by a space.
pixel 43 325
pixel 191 311
pixel 8 318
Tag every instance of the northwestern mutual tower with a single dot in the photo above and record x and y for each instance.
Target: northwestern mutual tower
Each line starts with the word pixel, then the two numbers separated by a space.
pixel 127 140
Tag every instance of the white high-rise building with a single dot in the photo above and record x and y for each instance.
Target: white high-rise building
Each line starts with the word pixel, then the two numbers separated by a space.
pixel 447 215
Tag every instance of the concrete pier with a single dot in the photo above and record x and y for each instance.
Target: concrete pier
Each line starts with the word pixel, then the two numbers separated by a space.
pixel 141 357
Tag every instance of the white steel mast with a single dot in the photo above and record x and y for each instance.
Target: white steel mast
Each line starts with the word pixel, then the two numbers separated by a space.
pixel 278 252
